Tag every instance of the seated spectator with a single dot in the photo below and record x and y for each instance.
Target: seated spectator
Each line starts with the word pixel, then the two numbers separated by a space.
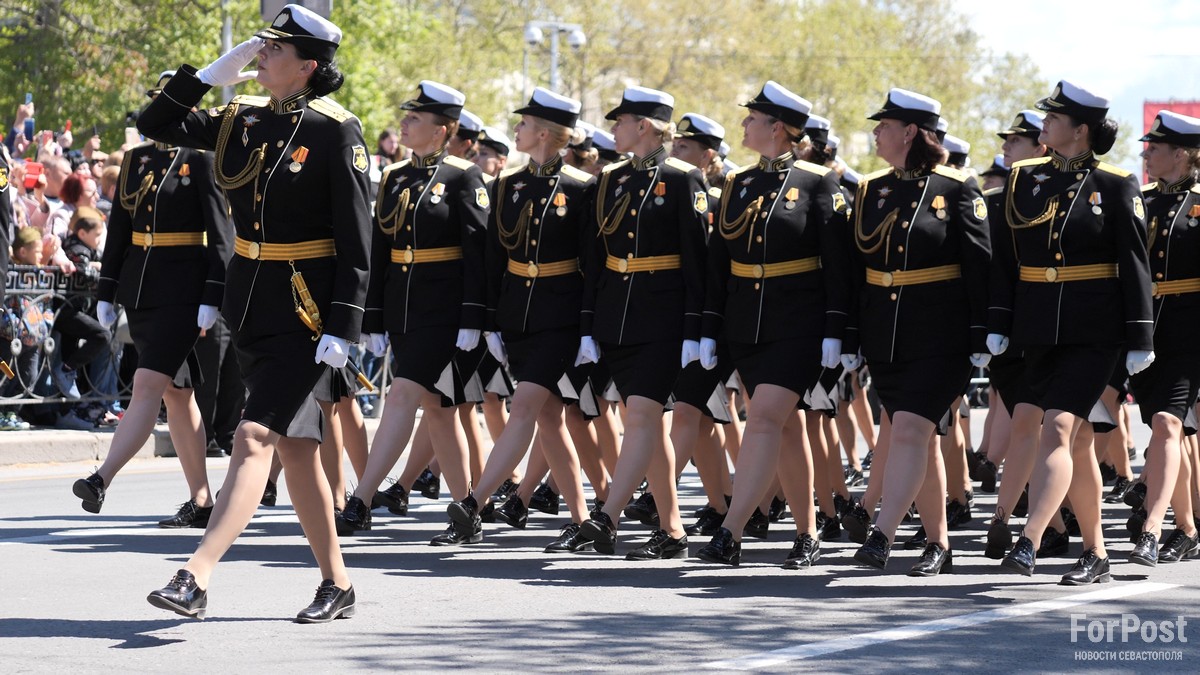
pixel 83 336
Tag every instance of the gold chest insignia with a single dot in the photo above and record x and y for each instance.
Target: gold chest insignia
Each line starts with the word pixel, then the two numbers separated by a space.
pixel 701 202
pixel 1139 209
pixel 481 198
pixel 358 158
pixel 980 208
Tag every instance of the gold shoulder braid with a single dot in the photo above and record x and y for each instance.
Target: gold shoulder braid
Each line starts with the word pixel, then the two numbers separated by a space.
pixel 397 215
pixel 733 230
pixel 256 156
pixel 1017 220
pixel 612 220
pixel 510 238
pixel 1152 234
pixel 881 233
pixel 131 201
pixel 307 310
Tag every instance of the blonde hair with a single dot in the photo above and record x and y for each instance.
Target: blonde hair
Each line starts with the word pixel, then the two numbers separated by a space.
pixel 559 135
pixel 1193 155
pixel 665 130
pixel 109 177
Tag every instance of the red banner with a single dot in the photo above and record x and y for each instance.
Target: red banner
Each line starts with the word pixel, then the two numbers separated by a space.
pixel 1150 110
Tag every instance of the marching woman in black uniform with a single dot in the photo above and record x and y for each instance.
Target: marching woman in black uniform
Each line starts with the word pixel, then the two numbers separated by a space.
pixel 534 286
pixel 643 294
pixel 294 169
pixel 1075 222
pixel 427 292
pixel 168 243
pixel 1167 389
pixel 779 292
pixel 921 231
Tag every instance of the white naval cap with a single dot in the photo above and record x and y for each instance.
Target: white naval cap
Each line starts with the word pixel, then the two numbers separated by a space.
pixel 997 168
pixel 644 102
pixel 724 150
pixel 833 142
pixel 314 34
pixel 495 139
pixel 817 129
pixel 703 130
pixel 1171 127
pixel 435 97
pixel 469 125
pixel 850 176
pixel 552 107
pixel 581 138
pixel 956 145
pixel 1026 123
pixel 782 104
pixel 1072 99
pixel 910 107
pixel 606 145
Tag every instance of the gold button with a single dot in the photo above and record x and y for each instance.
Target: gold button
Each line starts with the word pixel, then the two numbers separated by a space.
pixel 631 235
pixel 623 266
pixel 758 239
pixel 253 250
pixel 900 249
pixel 267 170
pixel 154 188
pixel 543 200
pixel 641 193
pixel 171 154
pixel 1054 236
pixel 921 183
pixel 757 285
pixel 412 206
pixel 1071 194
pixel 1158 276
pixel 904 225
pixel 887 280
pixel 1164 233
pixel 279 144
pixel 1051 274
pixel 257 226
pixel 763 215
pixel 404 268
pixel 757 271
pixel 630 256
pixel 625 278
pixel 147 228
pixel 258 198
pixel 633 212
pixel 408 228
pixel 893 296
pixel 536 221
pixel 1078 176
pixel 149 208
pixel 914 205
pixel 553 181
pixel 774 194
pixel 1162 254
pixel 780 176
pixel 164 172
pixel 295 119
pixel 533 242
pixel 1061 214
pixel 1179 198
pixel 149 239
pixel 408 256
pixel 1058 256
pixel 430 172
pixel 1170 214
pixel 528 283
pixel 532 269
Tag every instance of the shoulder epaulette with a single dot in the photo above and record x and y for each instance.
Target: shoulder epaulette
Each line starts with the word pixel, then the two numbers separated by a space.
pixel 457 162
pixel 992 191
pixel 739 170
pixel 675 163
pixel 811 168
pixel 1114 170
pixel 614 166
pixel 1195 188
pixel 330 108
pixel 488 179
pixel 255 101
pixel 1153 185
pixel 954 174
pixel 1033 161
pixel 398 165
pixel 874 174
pixel 572 172
pixel 141 146
pixel 516 169
pixel 714 192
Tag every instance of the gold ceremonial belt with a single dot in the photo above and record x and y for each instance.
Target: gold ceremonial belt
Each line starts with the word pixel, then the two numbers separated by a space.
pixel 409 256
pixel 149 239
pixel 1172 287
pixel 652 263
pixel 532 270
pixel 779 269
pixel 911 277
pixel 1057 275
pixel 320 248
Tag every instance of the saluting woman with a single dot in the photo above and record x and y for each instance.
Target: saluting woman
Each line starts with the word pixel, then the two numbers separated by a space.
pixel 922 234
pixel 778 291
pixel 294 169
pixel 1075 222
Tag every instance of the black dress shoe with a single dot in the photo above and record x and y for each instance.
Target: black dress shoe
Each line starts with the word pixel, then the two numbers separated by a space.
pixel 544 499
pixel 569 540
pixel 395 499
pixel 866 461
pixel 488 513
pixel 828 527
pixel 707 524
pixel 987 476
pixel 506 488
pixel 643 510
pixel 1179 546
pixel 190 514
pixel 458 536
pixel 91 491
pixel 875 552
pixel 857 524
pixel 1135 524
pixel 757 526
pixel 1022 508
pixel 1021 559
pixel 919 540
pixel 1146 551
pixel 777 510
pixel 999 540
pixel 355 517
pixel 464 514
pixel 514 512
pixel 1135 496
pixel 428 484
pixel 842 505
pixel 1090 569
pixel 973 462
pixel 722 550
pixel 934 560
pixel 1108 473
pixel 805 552
pixel 182 596
pixel 957 514
pixel 1053 543
pixel 661 546
pixel 270 494
pixel 599 530
pixel 854 477
pixel 1071 522
pixel 331 603
pixel 1117 495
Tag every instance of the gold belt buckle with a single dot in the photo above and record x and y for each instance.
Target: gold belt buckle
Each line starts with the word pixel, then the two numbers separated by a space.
pixel 149 240
pixel 1051 274
pixel 758 271
pixel 622 265
pixel 532 270
pixel 888 279
pixel 253 250
pixel 408 256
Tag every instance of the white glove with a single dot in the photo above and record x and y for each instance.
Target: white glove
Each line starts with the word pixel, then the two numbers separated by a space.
pixel 831 352
pixel 332 351
pixel 691 352
pixel 206 316
pixel 496 346
pixel 997 344
pixel 589 351
pixel 227 68
pixel 106 313
pixel 377 343
pixel 708 353
pixel 851 361
pixel 1138 360
pixel 468 339
pixel 981 360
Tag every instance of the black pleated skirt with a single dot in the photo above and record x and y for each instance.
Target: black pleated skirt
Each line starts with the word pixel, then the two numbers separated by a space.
pixel 1169 386
pixel 1070 378
pixel 794 363
pixel 165 338
pixel 924 387
pixel 543 357
pixel 648 370
pixel 427 356
pixel 280 375
pixel 1007 375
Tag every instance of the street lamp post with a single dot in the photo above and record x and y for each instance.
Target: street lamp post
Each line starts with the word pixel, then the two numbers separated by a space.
pixel 535 34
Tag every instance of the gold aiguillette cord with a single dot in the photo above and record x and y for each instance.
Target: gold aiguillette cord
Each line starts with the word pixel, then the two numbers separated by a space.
pixel 306 309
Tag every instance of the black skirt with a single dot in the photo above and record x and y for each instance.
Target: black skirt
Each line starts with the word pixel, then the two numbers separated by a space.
pixel 543 357
pixel 924 387
pixel 1070 378
pixel 794 364
pixel 280 375
pixel 704 389
pixel 335 384
pixel 648 370
pixel 165 338
pixel 1007 375
pixel 426 356
pixel 1169 386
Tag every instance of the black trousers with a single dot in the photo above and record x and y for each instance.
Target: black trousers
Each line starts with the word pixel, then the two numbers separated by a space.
pixel 75 326
pixel 222 394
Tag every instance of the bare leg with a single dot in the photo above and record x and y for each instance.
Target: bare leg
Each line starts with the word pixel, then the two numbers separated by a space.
pixel 1052 471
pixel 187 434
pixel 354 434
pixel 473 437
pixel 758 462
pixel 848 436
pixel 513 443
pixel 1162 468
pixel 1181 502
pixel 931 499
pixel 863 418
pixel 710 461
pixel 874 491
pixel 330 451
pixel 449 445
pixel 821 463
pixel 733 431
pixel 608 435
pixel 1084 493
pixel 907 465
pixel 954 455
pixel 137 423
pixel 1022 454
pixel 560 454
pixel 643 440
pixel 997 429
pixel 395 428
pixel 583 437
pixel 796 471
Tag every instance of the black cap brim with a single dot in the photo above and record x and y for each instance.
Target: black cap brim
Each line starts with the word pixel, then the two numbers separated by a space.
pixel 564 118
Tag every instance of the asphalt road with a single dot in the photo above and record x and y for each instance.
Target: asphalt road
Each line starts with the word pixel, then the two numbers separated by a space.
pixel 72 597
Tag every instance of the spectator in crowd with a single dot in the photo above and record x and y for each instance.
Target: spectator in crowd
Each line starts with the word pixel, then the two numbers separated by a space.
pixel 108 189
pixel 84 337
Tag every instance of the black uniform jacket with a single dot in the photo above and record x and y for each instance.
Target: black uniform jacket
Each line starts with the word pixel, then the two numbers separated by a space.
pixel 539 217
pixel 433 202
pixel 646 207
pixel 772 212
pixel 908 220
pixel 293 170
pixel 1173 217
pixel 166 190
pixel 1066 212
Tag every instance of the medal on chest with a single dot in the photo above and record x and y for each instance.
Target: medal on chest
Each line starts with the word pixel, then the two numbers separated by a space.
pixel 660 191
pixel 621 185
pixel 1193 215
pixel 517 187
pixel 883 195
pixel 792 195
pixel 437 191
pixel 1038 179
pixel 560 202
pixel 1095 201
pixel 939 207
pixel 142 162
pixel 247 122
pixel 185 173
pixel 298 159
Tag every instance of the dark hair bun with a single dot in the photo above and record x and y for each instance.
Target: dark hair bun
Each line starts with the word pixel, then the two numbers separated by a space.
pixel 326 79
pixel 1103 136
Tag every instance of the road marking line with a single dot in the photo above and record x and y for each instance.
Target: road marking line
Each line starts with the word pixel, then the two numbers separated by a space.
pixel 799 652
